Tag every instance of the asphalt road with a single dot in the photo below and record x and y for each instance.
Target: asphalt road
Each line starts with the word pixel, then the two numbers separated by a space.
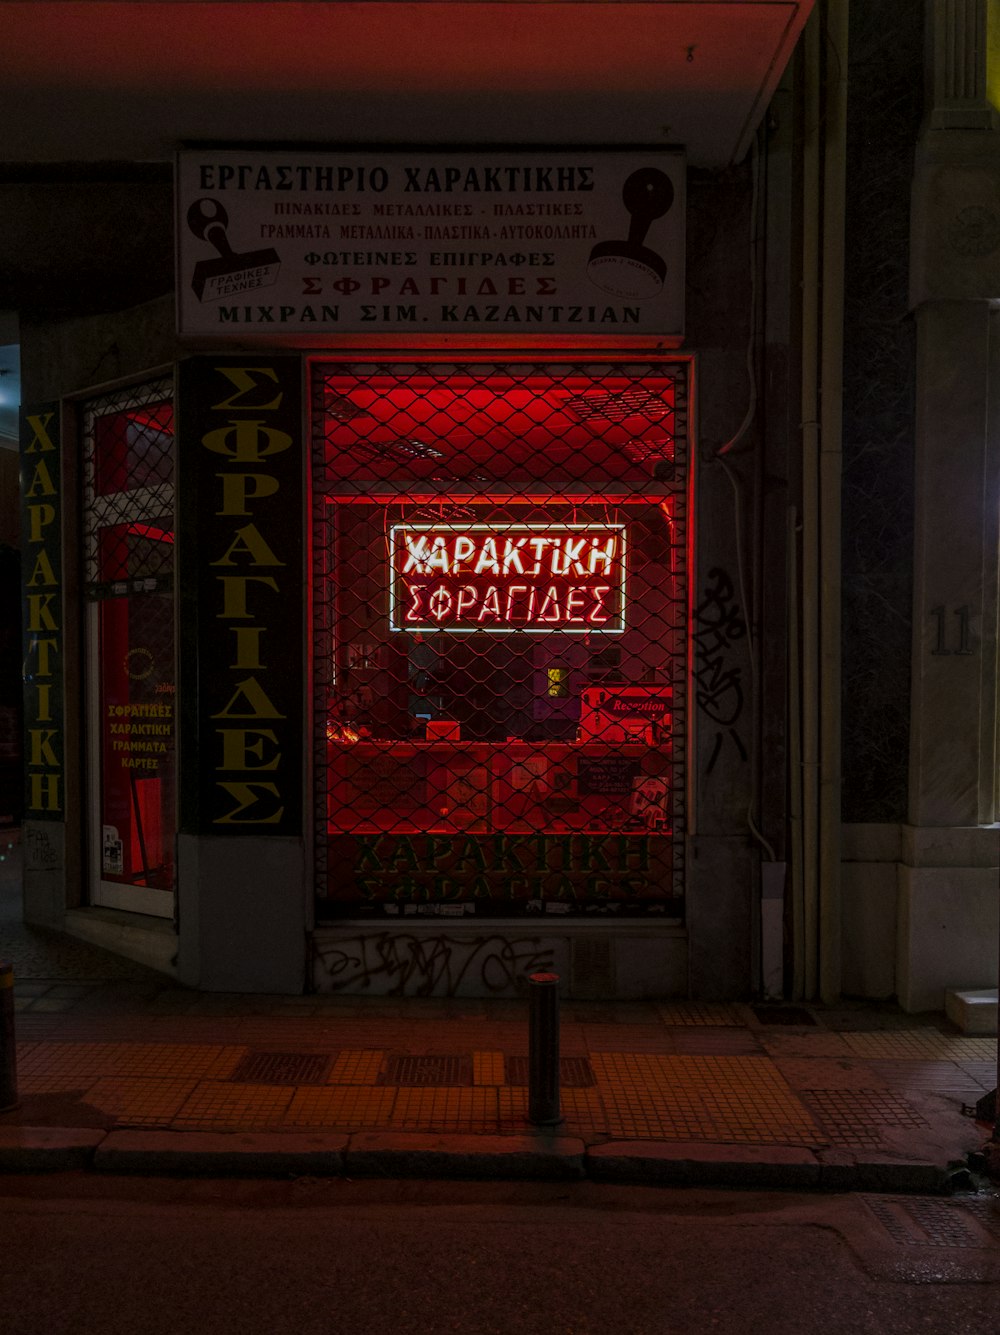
pixel 127 1256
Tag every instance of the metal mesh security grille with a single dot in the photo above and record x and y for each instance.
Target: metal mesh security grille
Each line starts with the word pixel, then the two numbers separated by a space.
pixel 500 615
pixel 128 537
pixel 128 462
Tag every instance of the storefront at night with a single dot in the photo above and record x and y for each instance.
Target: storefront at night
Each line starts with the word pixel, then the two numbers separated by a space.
pixel 418 611
pixel 500 652
pixel 490 509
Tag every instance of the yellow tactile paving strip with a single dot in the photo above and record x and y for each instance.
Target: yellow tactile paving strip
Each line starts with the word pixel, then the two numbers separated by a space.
pixel 453 1109
pixel 140 1102
pixel 250 1107
pixel 581 1109
pixel 74 1062
pixel 700 1098
pixel 487 1068
pixel 637 1095
pixel 350 1108
pixel 928 1044
pixel 69 1064
pixel 358 1067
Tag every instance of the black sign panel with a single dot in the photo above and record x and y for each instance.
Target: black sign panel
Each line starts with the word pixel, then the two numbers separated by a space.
pixel 240 558
pixel 519 870
pixel 42 613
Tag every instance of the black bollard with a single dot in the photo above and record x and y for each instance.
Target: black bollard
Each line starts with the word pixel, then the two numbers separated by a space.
pixel 543 1049
pixel 8 1052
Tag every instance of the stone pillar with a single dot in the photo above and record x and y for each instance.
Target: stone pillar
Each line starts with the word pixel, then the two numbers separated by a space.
pixel 959 56
pixel 948 867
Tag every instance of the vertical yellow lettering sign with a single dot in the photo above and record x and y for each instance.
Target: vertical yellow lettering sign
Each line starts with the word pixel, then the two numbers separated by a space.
pixel 42 605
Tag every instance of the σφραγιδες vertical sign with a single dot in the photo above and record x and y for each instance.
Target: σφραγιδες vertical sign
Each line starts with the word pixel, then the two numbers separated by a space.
pixel 240 558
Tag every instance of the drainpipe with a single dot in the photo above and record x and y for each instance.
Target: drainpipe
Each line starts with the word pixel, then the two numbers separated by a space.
pixel 830 481
pixel 795 845
pixel 817 906
pixel 806 893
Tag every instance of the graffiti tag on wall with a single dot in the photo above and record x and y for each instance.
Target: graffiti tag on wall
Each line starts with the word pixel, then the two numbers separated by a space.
pixel 408 964
pixel 718 680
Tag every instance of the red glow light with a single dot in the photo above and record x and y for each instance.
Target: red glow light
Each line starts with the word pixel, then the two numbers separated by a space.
pixel 431 428
pixel 148 531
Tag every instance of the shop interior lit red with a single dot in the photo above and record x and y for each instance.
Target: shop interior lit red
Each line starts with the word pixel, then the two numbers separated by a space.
pixel 500 556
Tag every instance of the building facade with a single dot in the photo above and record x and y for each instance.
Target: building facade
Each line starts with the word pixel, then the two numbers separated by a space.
pixel 445 560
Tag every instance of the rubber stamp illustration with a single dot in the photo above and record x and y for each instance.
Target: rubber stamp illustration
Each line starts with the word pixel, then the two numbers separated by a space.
pixel 628 267
pixel 227 274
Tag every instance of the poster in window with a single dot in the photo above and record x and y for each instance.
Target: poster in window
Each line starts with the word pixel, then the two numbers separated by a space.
pixel 626 713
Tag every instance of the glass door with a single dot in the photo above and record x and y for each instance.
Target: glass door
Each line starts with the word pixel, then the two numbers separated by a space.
pixel 130 689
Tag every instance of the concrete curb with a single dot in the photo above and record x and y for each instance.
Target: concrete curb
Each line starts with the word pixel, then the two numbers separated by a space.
pixel 540 1157
pixel 886 1175
pixel 401 1154
pixel 221 1153
pixel 46 1149
pixel 690 1163
pixel 790 1167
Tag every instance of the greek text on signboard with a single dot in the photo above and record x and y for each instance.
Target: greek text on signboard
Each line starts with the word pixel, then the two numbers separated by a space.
pixel 526 870
pixel 41 529
pixel 240 447
pixel 372 243
pixel 501 578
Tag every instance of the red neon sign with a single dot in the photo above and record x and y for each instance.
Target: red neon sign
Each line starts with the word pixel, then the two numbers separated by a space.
pixel 500 578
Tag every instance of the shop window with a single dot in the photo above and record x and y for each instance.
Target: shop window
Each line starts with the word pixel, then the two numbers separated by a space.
pixel 129 568
pixel 500 607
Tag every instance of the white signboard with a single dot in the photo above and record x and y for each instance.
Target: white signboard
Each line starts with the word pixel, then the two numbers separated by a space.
pixel 494 243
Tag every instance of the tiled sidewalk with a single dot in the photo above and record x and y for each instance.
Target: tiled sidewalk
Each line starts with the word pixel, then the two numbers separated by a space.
pixel 865 1081
pixel 107 1049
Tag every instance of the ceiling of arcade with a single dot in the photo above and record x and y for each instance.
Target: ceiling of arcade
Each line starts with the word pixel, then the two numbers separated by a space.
pixel 95 96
